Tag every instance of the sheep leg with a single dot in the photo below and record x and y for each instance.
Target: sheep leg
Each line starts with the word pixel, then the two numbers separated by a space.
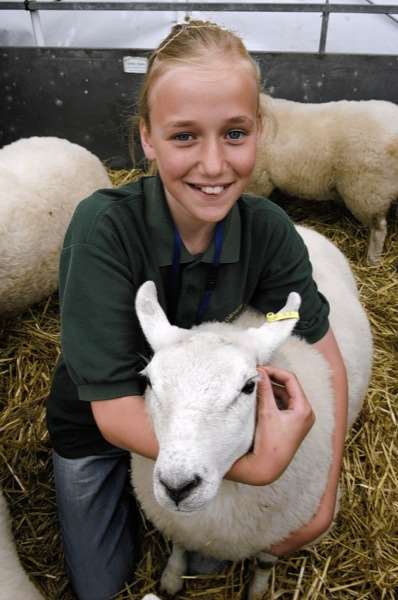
pixel 259 583
pixel 378 232
pixel 171 580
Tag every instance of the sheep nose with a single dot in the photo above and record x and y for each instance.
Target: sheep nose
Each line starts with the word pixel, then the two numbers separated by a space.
pixel 178 493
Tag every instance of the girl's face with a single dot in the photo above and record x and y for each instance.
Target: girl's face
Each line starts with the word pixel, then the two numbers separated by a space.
pixel 203 135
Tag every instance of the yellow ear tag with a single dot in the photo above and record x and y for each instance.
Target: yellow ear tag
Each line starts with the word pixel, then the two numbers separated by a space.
pixel 281 316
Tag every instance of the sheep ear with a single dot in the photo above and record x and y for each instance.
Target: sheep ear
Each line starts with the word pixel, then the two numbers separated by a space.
pixel 153 320
pixel 276 329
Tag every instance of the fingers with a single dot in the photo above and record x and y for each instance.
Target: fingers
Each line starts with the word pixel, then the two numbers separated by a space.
pixel 293 393
pixel 281 396
pixel 279 389
pixel 265 394
pixel 272 394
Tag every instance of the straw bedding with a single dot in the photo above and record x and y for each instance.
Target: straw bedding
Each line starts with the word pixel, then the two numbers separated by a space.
pixel 358 559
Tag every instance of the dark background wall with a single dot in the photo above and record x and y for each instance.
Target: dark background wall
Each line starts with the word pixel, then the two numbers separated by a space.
pixel 85 96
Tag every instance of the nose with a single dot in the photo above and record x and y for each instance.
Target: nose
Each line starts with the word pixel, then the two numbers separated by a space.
pixel 212 158
pixel 181 491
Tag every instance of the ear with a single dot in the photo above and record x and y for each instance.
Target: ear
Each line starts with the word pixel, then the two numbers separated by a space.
pixel 146 141
pixel 153 320
pixel 276 329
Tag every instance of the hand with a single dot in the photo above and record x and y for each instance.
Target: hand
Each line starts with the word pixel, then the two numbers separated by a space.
pixel 279 433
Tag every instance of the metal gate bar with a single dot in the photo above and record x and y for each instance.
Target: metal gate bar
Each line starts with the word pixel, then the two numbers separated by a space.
pixel 34 6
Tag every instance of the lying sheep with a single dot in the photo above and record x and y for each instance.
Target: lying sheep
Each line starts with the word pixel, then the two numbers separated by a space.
pixel 14 582
pixel 42 179
pixel 336 150
pixel 203 424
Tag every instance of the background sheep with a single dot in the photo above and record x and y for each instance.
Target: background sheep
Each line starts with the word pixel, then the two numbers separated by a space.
pixel 195 376
pixel 345 149
pixel 14 582
pixel 42 179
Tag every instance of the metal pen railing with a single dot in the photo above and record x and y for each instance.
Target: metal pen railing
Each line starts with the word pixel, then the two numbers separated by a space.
pixel 34 6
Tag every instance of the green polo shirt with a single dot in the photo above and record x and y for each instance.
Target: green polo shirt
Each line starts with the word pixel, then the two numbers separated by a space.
pixel 118 239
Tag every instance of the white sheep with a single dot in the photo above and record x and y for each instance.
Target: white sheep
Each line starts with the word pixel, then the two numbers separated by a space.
pixel 204 422
pixel 42 179
pixel 14 582
pixel 335 150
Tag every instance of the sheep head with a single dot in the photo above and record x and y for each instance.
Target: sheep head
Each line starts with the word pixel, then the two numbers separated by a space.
pixel 201 396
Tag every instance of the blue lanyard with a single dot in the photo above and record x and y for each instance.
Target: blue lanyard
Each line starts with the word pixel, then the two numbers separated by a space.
pixel 212 269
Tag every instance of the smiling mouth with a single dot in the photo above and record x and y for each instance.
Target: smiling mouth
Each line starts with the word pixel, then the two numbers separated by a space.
pixel 210 190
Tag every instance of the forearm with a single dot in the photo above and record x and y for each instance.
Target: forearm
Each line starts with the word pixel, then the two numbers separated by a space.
pixel 242 471
pixel 328 347
pixel 322 519
pixel 125 423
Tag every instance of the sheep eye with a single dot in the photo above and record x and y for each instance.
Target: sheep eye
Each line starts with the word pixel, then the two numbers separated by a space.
pixel 248 387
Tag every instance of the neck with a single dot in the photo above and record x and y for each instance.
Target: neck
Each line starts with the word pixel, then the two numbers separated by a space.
pixel 196 240
pixel 195 234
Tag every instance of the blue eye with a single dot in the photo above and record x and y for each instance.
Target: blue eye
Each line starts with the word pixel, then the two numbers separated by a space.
pixel 183 137
pixel 236 134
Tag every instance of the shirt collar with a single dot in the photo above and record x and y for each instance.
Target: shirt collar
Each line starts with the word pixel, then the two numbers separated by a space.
pixel 161 228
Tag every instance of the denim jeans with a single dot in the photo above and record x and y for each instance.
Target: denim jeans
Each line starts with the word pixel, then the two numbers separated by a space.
pixel 99 522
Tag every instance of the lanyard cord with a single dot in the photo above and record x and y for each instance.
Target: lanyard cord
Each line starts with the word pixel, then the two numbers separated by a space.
pixel 211 273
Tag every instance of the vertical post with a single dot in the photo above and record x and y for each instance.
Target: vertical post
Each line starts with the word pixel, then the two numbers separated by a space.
pixel 188 14
pixel 36 24
pixel 181 16
pixel 324 30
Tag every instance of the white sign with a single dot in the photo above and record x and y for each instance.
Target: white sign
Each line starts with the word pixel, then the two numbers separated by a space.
pixel 135 64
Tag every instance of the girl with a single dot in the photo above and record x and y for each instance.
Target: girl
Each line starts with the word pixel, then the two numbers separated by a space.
pixel 211 251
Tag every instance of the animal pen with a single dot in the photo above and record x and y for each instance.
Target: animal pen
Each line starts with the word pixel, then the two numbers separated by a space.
pixel 86 95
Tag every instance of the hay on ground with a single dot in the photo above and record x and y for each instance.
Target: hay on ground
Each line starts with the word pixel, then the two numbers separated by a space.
pixel 358 559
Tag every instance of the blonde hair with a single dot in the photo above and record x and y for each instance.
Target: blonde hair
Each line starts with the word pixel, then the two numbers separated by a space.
pixel 192 43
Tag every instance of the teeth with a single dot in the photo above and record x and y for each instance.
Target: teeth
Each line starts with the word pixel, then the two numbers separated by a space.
pixel 217 189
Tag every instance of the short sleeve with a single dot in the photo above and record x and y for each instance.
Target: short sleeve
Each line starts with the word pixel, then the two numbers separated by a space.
pixel 287 268
pixel 102 343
